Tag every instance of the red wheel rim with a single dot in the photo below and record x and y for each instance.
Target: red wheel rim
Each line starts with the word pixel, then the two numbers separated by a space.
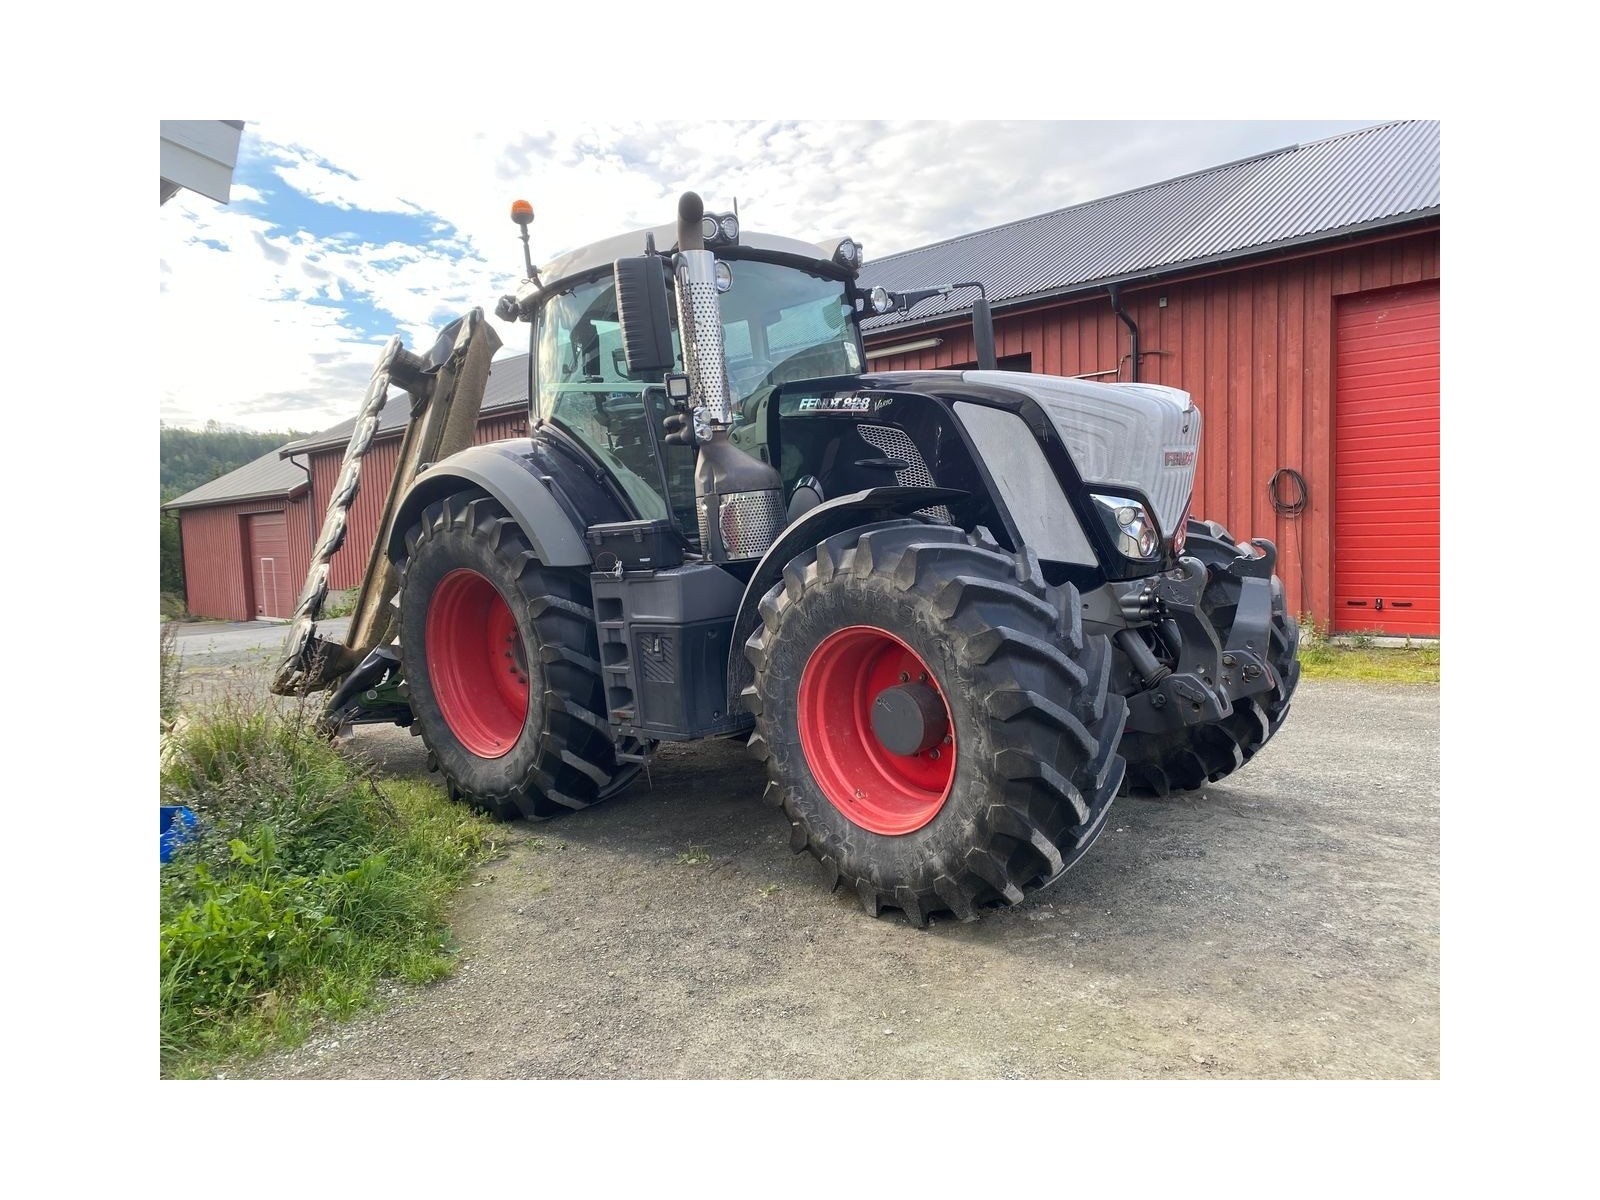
pixel 874 787
pixel 477 664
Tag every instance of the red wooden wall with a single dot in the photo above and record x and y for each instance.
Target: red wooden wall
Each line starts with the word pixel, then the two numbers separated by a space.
pixel 1255 347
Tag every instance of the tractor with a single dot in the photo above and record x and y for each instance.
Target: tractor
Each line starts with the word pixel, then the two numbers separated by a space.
pixel 954 613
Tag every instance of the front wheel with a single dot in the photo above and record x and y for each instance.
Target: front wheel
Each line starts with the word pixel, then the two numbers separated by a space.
pixel 935 723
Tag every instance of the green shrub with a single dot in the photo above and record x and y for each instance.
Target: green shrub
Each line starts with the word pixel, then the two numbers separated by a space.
pixel 309 883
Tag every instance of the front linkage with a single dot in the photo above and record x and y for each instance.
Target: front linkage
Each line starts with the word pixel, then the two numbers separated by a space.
pixel 1209 675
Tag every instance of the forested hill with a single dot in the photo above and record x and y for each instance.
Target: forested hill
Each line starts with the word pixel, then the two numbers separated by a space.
pixel 190 457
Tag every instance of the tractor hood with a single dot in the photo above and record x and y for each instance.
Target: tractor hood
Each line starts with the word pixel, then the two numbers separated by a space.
pixel 1124 435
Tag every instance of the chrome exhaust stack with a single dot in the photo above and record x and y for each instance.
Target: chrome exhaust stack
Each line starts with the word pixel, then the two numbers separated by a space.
pixel 738 498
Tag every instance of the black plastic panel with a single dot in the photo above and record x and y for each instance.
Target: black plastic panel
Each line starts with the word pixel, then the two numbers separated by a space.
pixel 664 642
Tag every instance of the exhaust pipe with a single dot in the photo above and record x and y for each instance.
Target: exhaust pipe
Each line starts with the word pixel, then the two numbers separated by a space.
pixel 738 498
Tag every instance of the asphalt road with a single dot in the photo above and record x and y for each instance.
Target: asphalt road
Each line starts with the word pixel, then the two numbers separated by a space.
pixel 1283 923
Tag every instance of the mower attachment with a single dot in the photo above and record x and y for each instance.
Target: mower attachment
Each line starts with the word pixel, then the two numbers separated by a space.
pixel 446 391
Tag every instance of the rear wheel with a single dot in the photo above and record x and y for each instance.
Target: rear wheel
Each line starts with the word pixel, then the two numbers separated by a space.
pixel 1188 758
pixel 499 655
pixel 935 723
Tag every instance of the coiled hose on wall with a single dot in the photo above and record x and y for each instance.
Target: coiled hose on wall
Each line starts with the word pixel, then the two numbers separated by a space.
pixel 1300 492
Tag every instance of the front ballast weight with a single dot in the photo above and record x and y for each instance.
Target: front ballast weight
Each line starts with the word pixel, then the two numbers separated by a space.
pixel 445 387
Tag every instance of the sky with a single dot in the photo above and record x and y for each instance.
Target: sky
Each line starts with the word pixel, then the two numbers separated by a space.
pixel 275 306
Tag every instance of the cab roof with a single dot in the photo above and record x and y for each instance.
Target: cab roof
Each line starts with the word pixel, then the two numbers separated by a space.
pixel 603 253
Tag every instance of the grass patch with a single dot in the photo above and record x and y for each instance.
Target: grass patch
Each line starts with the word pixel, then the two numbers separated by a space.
pixel 694 856
pixel 1354 657
pixel 310 883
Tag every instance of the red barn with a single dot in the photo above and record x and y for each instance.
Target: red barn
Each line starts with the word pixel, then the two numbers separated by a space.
pixel 1295 295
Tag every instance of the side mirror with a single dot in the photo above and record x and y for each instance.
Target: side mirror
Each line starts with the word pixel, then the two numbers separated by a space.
pixel 643 313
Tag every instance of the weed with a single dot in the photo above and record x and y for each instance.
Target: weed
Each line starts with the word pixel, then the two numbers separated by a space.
pixel 307 885
pixel 1311 634
pixel 694 856
pixel 171 674
pixel 771 889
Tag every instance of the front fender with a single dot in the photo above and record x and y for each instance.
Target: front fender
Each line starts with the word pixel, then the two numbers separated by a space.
pixel 817 525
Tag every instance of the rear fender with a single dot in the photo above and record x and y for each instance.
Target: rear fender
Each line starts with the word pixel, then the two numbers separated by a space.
pixel 530 486
pixel 818 524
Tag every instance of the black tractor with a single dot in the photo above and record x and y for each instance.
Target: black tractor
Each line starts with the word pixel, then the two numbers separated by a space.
pixel 954 613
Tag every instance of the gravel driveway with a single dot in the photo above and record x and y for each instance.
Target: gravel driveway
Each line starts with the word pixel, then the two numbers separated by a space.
pixel 1284 923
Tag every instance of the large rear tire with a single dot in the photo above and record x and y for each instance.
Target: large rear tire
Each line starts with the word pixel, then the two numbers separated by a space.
pixel 500 661
pixel 935 723
pixel 1188 758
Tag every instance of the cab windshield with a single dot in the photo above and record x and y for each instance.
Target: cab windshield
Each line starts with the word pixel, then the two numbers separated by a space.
pixel 779 324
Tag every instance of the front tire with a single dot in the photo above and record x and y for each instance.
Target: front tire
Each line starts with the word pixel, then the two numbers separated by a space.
pixel 500 660
pixel 971 787
pixel 1189 758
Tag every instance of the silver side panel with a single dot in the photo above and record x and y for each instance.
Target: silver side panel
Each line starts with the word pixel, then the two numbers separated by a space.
pixel 1027 484
pixel 1137 435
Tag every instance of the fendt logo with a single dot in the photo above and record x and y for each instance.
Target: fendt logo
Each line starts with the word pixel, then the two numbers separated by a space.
pixel 837 403
pixel 1180 458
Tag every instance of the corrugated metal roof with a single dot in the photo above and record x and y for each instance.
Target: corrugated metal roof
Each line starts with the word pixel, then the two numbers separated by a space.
pixel 1372 177
pixel 263 479
pixel 507 387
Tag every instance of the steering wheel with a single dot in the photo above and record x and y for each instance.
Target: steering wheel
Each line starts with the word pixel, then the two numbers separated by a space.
pixel 749 376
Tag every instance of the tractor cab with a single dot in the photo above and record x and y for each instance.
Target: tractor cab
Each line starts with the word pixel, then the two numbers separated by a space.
pixel 788 311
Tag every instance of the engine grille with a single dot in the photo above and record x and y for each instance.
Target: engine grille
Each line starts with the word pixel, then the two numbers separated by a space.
pixel 896 443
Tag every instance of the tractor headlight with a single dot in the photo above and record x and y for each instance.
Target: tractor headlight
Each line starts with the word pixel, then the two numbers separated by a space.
pixel 848 254
pixel 881 301
pixel 1131 526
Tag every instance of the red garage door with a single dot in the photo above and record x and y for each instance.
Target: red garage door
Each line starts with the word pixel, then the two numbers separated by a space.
pixel 267 554
pixel 1386 479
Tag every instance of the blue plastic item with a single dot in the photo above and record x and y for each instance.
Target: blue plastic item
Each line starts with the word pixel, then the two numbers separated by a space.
pixel 177 827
